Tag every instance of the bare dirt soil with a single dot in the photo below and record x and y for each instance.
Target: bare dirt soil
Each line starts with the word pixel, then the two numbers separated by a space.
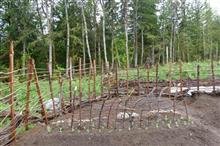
pixel 202 128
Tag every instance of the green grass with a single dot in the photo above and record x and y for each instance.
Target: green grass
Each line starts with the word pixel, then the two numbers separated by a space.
pixel 20 95
pixel 189 70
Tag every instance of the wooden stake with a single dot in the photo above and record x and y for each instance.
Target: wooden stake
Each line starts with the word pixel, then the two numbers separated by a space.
pixel 127 80
pixel 89 93
pixel 198 74
pixel 100 113
pixel 43 111
pixel 116 79
pixel 61 92
pixel 213 75
pixel 29 78
pixel 156 77
pixel 101 76
pixel 180 77
pixel 11 86
pixel 71 91
pixel 148 78
pixel 51 91
pixel 169 76
pixel 80 91
pixel 138 75
pixel 94 79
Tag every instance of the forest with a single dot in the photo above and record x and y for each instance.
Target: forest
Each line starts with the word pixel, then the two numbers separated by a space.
pixel 132 32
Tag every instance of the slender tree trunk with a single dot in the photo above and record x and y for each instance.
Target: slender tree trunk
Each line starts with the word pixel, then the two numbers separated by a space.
pixel 210 53
pixel 24 58
pixel 113 35
pixel 86 33
pixel 84 50
pixel 167 54
pixel 203 40
pixel 67 36
pixel 153 54
pixel 104 40
pixel 103 33
pixel 142 46
pixel 126 31
pixel 216 54
pixel 49 25
pixel 40 19
pixel 112 48
pixel 171 44
pixel 136 39
pixel 95 28
pixel 99 52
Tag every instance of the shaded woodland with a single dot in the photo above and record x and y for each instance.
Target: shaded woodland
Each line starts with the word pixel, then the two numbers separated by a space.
pixel 131 32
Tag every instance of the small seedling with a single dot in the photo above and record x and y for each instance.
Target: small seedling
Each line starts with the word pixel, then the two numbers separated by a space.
pixel 49 129
pixel 60 129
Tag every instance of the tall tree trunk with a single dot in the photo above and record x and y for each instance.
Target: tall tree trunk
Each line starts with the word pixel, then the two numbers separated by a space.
pixel 171 44
pixel 203 40
pixel 39 15
pixel 67 36
pixel 135 32
pixel 112 48
pixel 216 53
pixel 49 25
pixel 84 50
pixel 103 33
pixel 95 28
pixel 113 35
pixel 126 32
pixel 142 46
pixel 167 54
pixel 99 52
pixel 153 54
pixel 86 33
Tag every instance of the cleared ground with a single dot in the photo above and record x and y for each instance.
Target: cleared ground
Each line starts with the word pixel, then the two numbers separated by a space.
pixel 202 128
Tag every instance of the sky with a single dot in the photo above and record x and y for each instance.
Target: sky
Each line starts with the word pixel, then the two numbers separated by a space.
pixel 215 4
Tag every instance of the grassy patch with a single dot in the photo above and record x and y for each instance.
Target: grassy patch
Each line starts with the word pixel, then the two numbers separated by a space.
pixel 189 70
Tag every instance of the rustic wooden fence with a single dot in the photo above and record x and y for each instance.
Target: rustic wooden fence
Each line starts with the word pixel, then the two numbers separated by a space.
pixel 105 98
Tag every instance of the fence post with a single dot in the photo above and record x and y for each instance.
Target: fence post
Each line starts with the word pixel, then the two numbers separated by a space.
pixel 29 78
pixel 127 83
pixel 94 79
pixel 148 78
pixel 180 77
pixel 80 91
pixel 89 94
pixel 61 92
pixel 70 91
pixel 116 79
pixel 138 75
pixel 51 91
pixel 169 74
pixel 213 75
pixel 101 78
pixel 156 78
pixel 11 86
pixel 43 111
pixel 109 82
pixel 198 76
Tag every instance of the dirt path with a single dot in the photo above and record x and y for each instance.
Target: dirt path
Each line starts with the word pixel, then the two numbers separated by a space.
pixel 204 131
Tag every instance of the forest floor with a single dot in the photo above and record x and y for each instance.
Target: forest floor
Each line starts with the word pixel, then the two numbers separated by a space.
pixel 202 128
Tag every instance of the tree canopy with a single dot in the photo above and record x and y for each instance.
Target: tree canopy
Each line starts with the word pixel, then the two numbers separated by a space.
pixel 117 31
